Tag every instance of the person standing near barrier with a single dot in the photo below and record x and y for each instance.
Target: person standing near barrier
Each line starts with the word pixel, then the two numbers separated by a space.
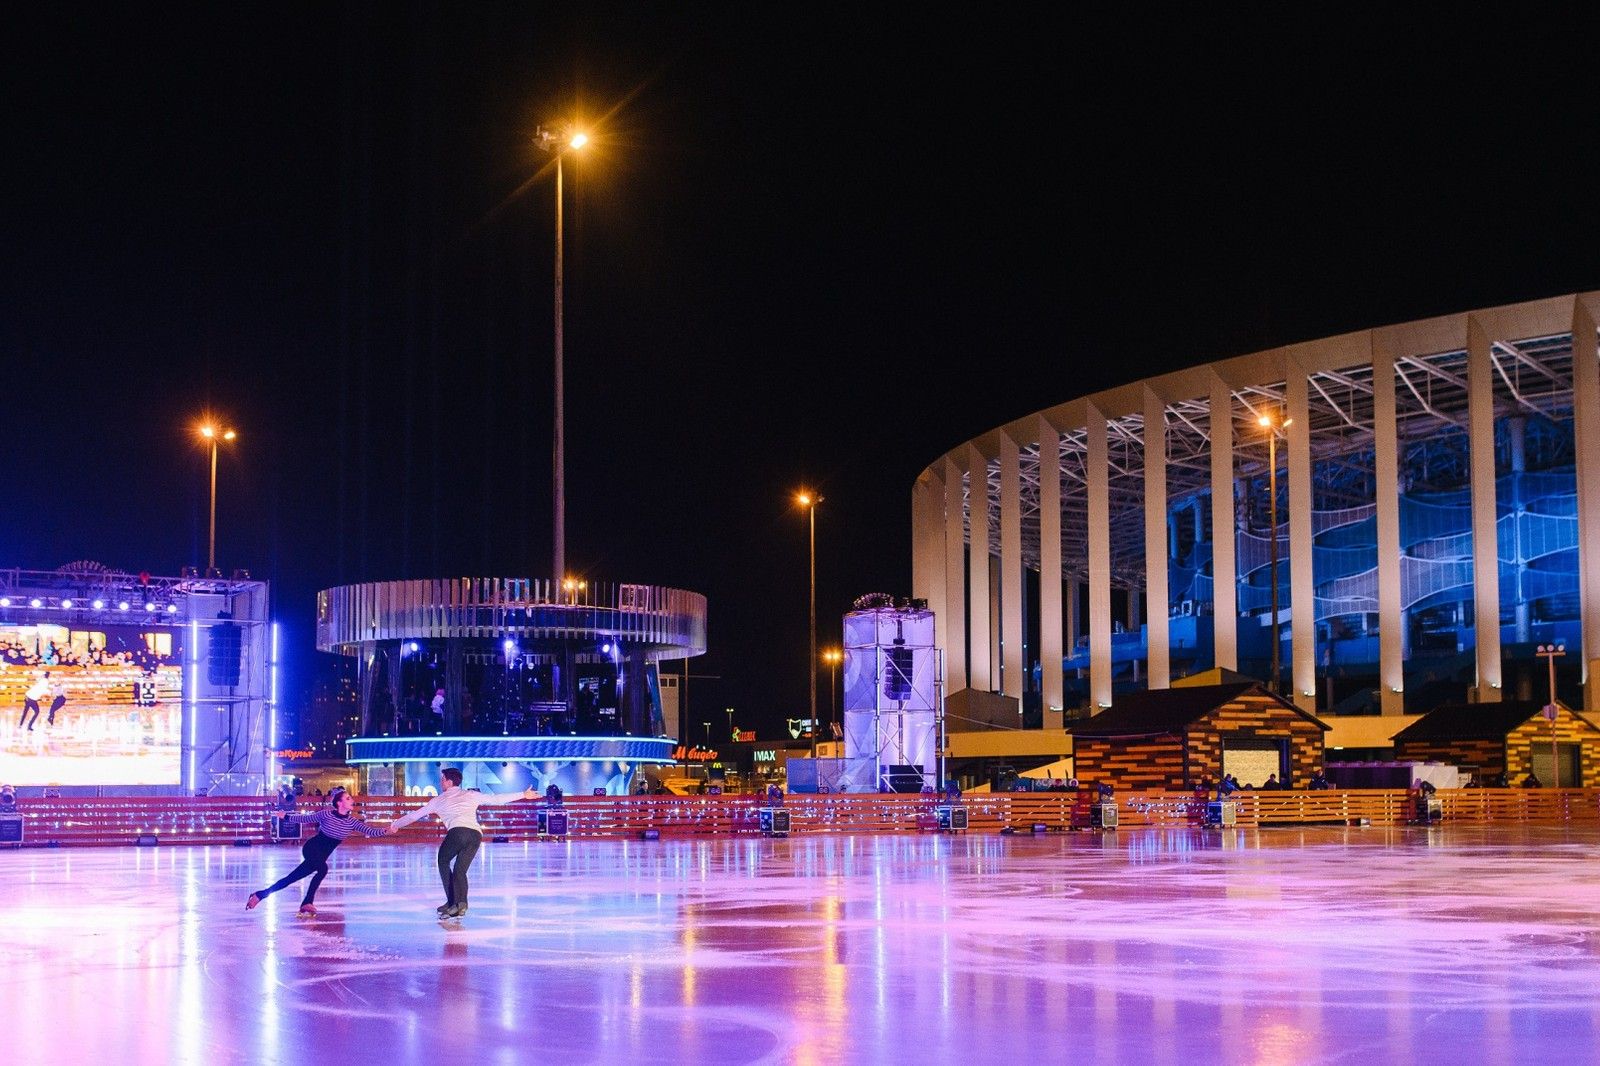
pixel 457 808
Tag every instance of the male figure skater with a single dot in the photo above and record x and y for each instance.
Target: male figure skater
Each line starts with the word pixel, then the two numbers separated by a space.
pixel 457 808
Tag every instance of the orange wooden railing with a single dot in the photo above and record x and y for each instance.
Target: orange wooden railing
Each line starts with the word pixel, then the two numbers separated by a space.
pixel 177 820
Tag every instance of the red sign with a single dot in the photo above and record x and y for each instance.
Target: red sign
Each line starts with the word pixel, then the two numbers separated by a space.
pixel 745 736
pixel 694 754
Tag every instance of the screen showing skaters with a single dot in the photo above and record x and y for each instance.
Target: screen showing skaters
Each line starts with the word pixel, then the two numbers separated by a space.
pixel 334 823
pixel 30 700
pixel 457 808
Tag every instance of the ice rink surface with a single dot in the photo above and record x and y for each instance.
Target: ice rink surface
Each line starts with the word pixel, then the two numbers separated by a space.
pixel 1453 945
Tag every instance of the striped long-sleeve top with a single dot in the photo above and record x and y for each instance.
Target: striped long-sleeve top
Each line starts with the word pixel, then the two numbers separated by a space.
pixel 337 826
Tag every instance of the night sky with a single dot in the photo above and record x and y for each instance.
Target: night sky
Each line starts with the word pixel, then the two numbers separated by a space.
pixel 811 246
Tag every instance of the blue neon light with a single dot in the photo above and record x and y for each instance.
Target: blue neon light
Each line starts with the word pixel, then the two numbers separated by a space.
pixel 655 750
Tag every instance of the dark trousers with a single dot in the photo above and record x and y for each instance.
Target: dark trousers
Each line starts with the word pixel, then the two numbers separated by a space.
pixel 28 705
pixel 55 705
pixel 460 845
pixel 314 861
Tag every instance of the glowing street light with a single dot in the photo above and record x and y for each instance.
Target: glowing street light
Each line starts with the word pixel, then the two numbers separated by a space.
pixel 833 657
pixel 1274 428
pixel 559 142
pixel 1549 653
pixel 214 434
pixel 809 501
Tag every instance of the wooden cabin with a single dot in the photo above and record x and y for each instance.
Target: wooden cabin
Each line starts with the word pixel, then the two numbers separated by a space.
pixel 1510 738
pixel 1179 738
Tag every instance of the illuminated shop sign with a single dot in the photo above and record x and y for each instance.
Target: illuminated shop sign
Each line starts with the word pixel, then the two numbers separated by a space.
pixel 766 755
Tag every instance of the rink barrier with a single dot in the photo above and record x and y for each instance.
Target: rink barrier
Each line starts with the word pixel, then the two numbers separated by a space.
pixel 226 820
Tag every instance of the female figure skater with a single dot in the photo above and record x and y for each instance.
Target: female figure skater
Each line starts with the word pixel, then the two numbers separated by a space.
pixel 334 823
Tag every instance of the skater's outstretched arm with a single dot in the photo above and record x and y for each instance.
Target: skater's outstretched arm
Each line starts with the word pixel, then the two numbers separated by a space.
pixel 423 811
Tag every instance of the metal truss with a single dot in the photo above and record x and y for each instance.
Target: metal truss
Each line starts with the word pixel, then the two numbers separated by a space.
pixel 1532 379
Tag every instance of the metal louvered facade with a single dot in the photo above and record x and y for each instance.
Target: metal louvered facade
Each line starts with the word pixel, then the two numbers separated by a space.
pixel 662 623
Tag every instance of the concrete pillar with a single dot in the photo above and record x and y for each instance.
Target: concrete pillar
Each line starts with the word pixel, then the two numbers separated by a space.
pixel 1156 543
pixel 1098 473
pixel 1225 594
pixel 1386 463
pixel 927 545
pixel 1586 430
pixel 1051 651
pixel 979 670
pixel 1012 678
pixel 1485 543
pixel 954 624
pixel 1302 582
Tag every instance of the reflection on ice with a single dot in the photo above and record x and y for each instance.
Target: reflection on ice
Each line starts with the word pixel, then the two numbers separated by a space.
pixel 1316 945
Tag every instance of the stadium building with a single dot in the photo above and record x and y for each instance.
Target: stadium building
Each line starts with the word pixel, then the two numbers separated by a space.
pixel 1430 492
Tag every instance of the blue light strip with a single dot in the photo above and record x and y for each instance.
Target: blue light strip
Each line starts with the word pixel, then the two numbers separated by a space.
pixel 272 711
pixel 655 750
pixel 193 696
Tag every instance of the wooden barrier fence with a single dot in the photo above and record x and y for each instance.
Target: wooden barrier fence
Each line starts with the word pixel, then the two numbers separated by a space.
pixel 220 820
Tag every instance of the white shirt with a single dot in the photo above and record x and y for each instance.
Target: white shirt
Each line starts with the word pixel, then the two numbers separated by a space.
pixel 38 690
pixel 458 808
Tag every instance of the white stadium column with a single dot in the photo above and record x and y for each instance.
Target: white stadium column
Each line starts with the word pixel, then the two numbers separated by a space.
pixel 979 670
pixel 1302 585
pixel 1586 431
pixel 1224 591
pixel 1050 619
pixel 1012 682
pixel 927 544
pixel 954 623
pixel 1485 541
pixel 1155 539
pixel 1386 464
pixel 1098 472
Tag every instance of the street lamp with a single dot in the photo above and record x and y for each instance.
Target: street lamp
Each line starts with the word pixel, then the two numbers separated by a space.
pixel 833 657
pixel 559 142
pixel 1550 652
pixel 1273 429
pixel 214 434
pixel 809 501
pixel 731 736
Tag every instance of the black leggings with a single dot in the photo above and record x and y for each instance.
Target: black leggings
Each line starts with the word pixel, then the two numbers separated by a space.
pixel 460 844
pixel 314 855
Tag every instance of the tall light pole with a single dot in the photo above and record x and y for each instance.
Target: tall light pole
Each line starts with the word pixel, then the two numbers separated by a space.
pixel 809 501
pixel 559 142
pixel 215 435
pixel 1273 428
pixel 1549 653
pixel 833 657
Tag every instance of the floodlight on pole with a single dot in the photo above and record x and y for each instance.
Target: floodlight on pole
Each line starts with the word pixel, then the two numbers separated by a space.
pixel 559 142
pixel 809 501
pixel 1273 428
pixel 214 434
pixel 1549 653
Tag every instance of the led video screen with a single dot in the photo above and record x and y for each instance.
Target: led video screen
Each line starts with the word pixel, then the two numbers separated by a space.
pixel 100 706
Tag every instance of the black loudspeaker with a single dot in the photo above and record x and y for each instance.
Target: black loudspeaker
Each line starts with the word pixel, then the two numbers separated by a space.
pixel 11 831
pixel 898 668
pixel 905 778
pixel 223 654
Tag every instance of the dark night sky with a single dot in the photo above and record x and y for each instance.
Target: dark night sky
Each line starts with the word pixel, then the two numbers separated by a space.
pixel 811 247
